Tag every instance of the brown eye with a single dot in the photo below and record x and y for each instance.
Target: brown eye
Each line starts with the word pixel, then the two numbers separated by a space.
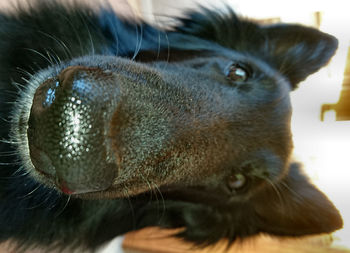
pixel 237 73
pixel 237 182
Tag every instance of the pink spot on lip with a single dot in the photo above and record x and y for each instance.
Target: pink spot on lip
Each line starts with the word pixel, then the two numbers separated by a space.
pixel 64 188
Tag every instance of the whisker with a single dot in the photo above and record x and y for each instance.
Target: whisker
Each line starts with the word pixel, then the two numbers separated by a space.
pixel 59 42
pixel 89 34
pixel 147 182
pixel 131 206
pixel 138 41
pixel 40 54
pixel 76 34
pixel 30 193
pixel 64 207
pixel 156 187
pixel 277 191
pixel 19 87
pixel 295 194
pixel 53 57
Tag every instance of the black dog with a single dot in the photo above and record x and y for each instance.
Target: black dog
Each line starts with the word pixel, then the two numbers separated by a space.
pixel 109 125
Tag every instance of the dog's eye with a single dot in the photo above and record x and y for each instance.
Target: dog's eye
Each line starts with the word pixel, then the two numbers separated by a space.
pixel 237 182
pixel 237 73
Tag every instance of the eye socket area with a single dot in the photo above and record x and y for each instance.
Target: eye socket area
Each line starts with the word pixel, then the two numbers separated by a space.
pixel 238 72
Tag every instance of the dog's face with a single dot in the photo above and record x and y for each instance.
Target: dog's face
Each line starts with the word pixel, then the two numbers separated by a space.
pixel 200 114
pixel 118 127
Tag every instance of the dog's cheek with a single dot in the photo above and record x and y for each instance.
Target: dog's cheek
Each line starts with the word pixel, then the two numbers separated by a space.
pixel 295 207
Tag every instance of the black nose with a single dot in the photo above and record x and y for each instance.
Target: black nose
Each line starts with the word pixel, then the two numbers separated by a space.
pixel 66 135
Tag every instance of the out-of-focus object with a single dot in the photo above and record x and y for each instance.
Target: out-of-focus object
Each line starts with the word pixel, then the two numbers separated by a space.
pixel 155 240
pixel 342 107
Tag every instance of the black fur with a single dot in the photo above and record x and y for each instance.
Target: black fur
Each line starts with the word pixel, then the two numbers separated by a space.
pixel 171 138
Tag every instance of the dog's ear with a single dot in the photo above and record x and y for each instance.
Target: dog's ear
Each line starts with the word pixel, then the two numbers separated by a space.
pixel 295 207
pixel 298 51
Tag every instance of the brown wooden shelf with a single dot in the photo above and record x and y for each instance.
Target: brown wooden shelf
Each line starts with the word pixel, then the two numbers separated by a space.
pixel 155 240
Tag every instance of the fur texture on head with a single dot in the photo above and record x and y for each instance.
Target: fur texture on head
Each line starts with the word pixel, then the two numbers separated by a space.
pixel 110 125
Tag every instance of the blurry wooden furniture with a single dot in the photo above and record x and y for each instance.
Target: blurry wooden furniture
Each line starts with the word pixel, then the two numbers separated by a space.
pixel 342 107
pixel 155 240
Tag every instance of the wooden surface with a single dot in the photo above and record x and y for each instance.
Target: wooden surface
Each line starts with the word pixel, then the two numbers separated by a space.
pixel 154 240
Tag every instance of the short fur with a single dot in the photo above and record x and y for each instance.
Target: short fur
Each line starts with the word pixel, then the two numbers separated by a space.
pixel 111 125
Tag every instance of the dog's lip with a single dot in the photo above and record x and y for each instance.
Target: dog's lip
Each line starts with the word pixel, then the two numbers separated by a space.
pixel 124 189
pixel 116 191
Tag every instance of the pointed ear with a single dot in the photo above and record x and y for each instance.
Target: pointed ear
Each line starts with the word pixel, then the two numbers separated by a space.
pixel 295 207
pixel 298 51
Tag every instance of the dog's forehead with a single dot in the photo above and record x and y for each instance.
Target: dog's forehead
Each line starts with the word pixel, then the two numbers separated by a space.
pixel 223 58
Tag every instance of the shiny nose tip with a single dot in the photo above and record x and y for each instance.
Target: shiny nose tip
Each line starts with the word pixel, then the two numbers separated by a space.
pixel 66 131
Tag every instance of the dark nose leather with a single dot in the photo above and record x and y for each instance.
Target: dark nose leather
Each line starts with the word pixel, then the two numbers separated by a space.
pixel 66 136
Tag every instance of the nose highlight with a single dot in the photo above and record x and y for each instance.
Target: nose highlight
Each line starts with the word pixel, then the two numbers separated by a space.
pixel 65 80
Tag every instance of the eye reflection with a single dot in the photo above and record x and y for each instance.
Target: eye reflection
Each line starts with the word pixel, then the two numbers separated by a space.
pixel 237 181
pixel 237 73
